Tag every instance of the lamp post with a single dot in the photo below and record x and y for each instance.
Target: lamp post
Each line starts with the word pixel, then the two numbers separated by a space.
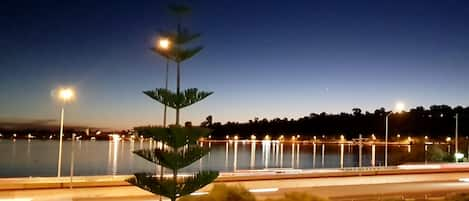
pixel 72 160
pixel 456 134
pixel 399 107
pixel 164 44
pixel 65 95
pixel 456 153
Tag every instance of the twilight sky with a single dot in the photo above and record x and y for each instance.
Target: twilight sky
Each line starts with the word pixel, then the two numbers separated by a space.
pixel 261 58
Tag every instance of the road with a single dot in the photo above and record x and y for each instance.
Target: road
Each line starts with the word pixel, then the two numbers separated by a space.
pixel 336 188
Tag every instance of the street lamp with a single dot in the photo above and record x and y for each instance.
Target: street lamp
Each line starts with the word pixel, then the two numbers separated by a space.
pixel 399 108
pixel 164 44
pixel 457 154
pixel 65 94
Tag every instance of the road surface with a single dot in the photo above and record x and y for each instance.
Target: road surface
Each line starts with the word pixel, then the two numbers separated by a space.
pixel 433 186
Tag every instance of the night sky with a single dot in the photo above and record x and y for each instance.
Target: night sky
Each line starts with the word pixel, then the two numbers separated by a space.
pixel 261 58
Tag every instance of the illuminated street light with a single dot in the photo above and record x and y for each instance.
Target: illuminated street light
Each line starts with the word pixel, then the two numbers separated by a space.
pixel 400 106
pixel 65 94
pixel 164 43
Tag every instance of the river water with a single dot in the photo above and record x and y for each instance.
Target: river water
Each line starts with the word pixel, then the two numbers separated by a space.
pixel 24 158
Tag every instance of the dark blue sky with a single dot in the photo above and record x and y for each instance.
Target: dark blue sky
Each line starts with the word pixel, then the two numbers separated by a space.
pixel 261 58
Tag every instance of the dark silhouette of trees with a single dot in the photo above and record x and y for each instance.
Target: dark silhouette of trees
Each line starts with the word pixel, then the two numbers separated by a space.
pixel 436 122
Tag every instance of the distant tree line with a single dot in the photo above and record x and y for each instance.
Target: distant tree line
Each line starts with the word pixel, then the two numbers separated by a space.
pixel 437 122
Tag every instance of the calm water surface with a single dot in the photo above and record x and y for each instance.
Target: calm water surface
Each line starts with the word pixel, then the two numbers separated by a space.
pixel 39 157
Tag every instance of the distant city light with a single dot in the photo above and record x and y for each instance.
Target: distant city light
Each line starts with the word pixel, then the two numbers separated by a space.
pixel 253 137
pixel 115 137
pixel 448 139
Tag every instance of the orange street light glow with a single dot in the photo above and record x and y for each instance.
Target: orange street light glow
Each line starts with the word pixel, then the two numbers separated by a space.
pixel 400 106
pixel 164 43
pixel 66 94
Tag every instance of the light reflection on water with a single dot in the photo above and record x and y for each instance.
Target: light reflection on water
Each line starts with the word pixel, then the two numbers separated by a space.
pixel 39 158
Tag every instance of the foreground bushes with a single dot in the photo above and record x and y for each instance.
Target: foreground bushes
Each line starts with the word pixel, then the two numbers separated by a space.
pixel 222 192
pixel 458 197
pixel 298 196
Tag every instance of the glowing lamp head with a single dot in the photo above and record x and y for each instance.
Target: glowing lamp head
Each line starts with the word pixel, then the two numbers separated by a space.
pixel 66 94
pixel 164 43
pixel 400 106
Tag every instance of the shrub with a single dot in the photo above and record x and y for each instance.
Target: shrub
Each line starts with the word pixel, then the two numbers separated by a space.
pixel 436 154
pixel 458 197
